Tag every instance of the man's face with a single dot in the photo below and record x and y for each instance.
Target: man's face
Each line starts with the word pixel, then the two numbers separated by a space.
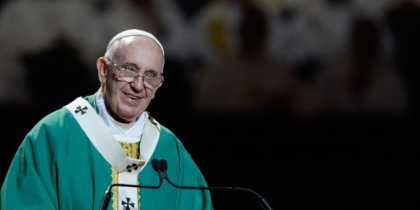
pixel 126 101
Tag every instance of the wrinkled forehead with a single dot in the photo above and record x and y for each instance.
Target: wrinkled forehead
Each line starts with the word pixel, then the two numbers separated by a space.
pixel 132 33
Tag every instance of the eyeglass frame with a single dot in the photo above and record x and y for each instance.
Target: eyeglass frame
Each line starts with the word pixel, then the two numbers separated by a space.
pixel 122 69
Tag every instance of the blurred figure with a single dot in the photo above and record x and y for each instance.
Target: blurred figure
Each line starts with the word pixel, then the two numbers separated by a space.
pixel 165 18
pixel 55 71
pixel 307 35
pixel 308 98
pixel 215 30
pixel 250 82
pixel 29 26
pixel 25 26
pixel 305 29
pixel 404 20
pixel 364 81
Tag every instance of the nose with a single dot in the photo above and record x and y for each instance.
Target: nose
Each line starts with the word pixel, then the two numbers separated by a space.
pixel 137 84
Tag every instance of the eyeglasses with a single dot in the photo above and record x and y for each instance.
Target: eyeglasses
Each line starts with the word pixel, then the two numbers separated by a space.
pixel 129 74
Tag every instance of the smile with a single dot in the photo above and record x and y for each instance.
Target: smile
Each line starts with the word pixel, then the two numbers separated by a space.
pixel 132 96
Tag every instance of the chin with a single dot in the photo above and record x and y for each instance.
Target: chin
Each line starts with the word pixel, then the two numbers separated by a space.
pixel 125 119
pixel 130 113
pixel 130 116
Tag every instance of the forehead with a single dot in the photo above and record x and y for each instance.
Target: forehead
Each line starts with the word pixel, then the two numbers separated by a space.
pixel 136 43
pixel 138 49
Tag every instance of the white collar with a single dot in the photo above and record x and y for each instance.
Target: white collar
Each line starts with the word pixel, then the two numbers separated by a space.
pixel 133 129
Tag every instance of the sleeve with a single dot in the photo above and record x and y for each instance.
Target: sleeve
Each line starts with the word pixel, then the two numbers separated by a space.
pixel 29 183
pixel 202 198
pixel 192 176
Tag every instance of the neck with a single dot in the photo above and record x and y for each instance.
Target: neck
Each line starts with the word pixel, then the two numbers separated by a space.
pixel 115 116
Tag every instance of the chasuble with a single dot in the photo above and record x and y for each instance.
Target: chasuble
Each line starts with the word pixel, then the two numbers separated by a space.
pixel 57 167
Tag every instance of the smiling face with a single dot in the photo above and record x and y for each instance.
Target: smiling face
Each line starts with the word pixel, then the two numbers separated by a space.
pixel 126 101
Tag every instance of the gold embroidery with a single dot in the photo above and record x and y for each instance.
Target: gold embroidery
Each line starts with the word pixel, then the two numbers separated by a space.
pixel 131 167
pixel 153 121
pixel 138 197
pixel 131 150
pixel 114 176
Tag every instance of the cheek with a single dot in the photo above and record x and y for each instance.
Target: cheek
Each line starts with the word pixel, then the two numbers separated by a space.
pixel 112 92
pixel 148 86
pixel 150 90
pixel 110 95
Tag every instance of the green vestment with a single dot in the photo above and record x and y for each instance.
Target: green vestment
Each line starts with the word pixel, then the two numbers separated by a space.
pixel 57 167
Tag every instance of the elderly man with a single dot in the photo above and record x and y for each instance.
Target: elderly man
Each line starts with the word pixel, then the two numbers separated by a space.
pixel 68 160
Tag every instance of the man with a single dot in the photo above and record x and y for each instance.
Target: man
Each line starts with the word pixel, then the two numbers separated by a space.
pixel 68 160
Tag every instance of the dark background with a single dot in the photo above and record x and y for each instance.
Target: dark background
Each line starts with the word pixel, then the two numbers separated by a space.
pixel 334 160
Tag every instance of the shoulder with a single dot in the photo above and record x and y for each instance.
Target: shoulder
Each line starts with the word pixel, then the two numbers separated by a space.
pixel 48 132
pixel 58 117
pixel 167 137
pixel 166 133
pixel 61 115
pixel 57 121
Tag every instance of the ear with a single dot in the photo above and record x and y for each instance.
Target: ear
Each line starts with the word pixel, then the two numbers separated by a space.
pixel 102 67
pixel 161 83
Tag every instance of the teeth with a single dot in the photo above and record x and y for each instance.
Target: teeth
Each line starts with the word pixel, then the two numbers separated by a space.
pixel 131 96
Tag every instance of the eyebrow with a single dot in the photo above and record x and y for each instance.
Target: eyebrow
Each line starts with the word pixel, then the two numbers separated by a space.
pixel 137 67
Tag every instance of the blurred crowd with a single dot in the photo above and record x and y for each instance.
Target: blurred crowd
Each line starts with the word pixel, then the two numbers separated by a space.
pixel 304 58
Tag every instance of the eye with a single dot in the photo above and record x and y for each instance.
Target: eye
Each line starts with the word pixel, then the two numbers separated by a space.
pixel 129 70
pixel 150 75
